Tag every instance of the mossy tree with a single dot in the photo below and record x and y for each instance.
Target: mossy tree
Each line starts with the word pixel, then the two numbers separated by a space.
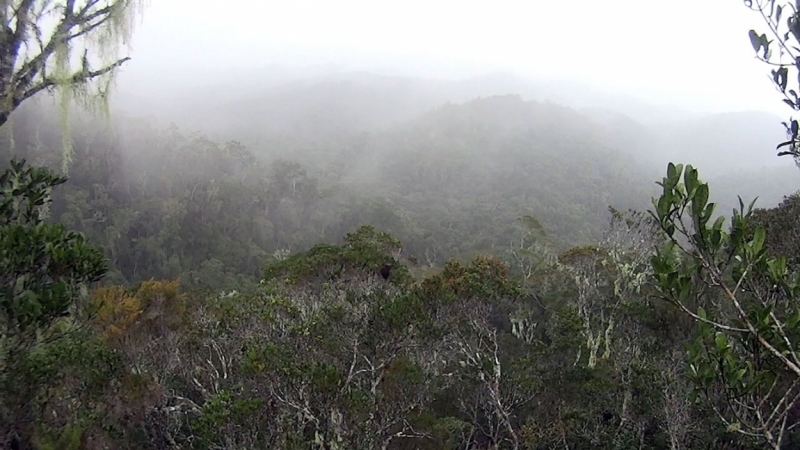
pixel 64 46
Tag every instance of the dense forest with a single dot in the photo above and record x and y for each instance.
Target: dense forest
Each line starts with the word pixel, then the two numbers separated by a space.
pixel 170 203
pixel 166 203
pixel 455 281
pixel 366 262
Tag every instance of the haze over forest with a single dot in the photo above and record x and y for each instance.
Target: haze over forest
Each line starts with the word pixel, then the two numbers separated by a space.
pixel 685 87
pixel 423 225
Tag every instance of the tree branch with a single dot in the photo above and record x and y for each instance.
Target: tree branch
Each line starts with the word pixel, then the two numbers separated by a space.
pixel 77 78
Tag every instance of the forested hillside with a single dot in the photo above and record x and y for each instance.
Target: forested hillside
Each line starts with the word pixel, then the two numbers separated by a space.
pixel 235 255
pixel 357 261
pixel 484 295
pixel 273 115
pixel 165 202
pixel 322 106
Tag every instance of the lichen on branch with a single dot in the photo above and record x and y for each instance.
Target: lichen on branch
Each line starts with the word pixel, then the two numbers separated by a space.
pixel 71 47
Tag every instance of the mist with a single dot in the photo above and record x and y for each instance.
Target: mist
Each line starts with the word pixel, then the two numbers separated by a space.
pixel 395 225
pixel 251 70
pixel 696 54
pixel 313 82
pixel 351 93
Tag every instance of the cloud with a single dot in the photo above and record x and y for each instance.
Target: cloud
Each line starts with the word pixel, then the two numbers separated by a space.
pixel 691 52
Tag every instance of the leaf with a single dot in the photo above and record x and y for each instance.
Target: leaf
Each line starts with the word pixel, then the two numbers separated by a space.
pixel 709 211
pixel 780 77
pixel 718 223
pixel 700 199
pixel 778 12
pixel 690 179
pixel 721 340
pixel 758 240
pixel 750 207
pixel 716 238
pixel 663 206
pixel 755 41
pixel 789 102
pixel 671 171
pixel 765 43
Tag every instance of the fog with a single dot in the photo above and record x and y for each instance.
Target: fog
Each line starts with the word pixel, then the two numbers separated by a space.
pixel 361 224
pixel 687 53
pixel 240 71
pixel 439 123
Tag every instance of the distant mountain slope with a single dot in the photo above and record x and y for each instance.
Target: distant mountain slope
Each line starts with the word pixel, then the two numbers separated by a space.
pixel 469 169
pixel 254 106
pixel 492 160
pixel 769 184
pixel 276 114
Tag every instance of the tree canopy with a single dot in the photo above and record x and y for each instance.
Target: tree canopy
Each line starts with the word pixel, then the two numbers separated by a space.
pixel 483 277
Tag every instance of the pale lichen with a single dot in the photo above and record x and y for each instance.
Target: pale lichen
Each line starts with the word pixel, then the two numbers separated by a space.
pixel 67 47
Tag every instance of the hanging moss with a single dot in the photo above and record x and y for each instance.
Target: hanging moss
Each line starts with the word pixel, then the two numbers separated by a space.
pixel 67 63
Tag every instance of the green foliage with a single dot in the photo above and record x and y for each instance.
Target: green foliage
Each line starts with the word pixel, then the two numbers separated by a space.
pixel 57 375
pixel 483 278
pixel 363 250
pixel 743 360
pixel 62 391
pixel 780 227
pixel 785 36
pixel 223 408
pixel 42 266
pixel 556 343
pixel 562 350
pixel 166 204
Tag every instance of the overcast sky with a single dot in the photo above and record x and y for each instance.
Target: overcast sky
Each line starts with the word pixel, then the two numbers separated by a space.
pixel 685 52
